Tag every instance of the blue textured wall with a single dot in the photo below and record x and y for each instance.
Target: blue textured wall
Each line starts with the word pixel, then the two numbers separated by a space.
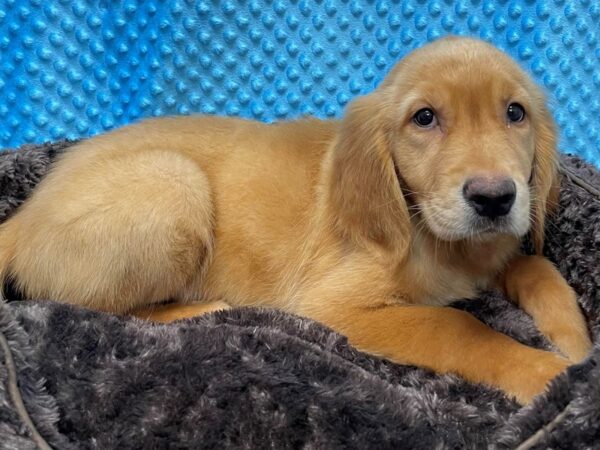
pixel 71 68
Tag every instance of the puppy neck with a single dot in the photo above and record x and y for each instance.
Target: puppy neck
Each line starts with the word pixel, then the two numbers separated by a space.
pixel 438 272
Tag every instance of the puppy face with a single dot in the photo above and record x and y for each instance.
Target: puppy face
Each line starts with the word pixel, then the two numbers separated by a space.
pixel 467 134
pixel 463 138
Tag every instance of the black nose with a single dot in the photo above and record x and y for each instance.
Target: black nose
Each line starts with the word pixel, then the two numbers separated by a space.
pixel 490 197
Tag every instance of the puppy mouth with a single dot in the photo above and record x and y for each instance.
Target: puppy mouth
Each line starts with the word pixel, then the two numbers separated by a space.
pixel 489 227
pixel 452 225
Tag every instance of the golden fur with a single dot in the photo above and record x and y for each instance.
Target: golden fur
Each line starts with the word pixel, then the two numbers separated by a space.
pixel 359 223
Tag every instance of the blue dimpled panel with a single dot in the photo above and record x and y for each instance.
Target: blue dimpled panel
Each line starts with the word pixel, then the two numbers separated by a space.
pixel 73 68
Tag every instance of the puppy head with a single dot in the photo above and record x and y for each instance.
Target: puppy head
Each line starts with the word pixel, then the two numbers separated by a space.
pixel 461 130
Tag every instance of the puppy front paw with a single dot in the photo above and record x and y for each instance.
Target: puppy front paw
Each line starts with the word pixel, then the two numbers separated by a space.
pixel 575 344
pixel 533 377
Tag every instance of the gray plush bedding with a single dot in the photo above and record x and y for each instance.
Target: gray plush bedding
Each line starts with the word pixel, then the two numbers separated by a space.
pixel 256 378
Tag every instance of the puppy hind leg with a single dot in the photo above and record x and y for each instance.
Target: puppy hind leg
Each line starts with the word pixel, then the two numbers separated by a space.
pixel 173 256
pixel 129 233
pixel 176 311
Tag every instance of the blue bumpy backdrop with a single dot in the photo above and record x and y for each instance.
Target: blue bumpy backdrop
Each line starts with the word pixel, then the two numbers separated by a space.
pixel 74 68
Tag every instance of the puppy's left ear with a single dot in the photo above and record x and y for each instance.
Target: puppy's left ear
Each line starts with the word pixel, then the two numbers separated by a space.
pixel 365 202
pixel 545 177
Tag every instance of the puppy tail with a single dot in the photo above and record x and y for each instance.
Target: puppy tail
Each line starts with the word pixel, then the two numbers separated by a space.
pixel 7 237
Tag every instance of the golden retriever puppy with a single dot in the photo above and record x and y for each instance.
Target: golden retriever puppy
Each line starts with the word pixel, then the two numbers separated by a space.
pixel 371 225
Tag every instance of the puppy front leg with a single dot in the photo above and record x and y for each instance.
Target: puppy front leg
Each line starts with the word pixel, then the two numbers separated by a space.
pixel 447 340
pixel 538 288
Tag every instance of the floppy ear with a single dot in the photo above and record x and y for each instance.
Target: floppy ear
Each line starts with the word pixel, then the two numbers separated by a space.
pixel 365 199
pixel 546 178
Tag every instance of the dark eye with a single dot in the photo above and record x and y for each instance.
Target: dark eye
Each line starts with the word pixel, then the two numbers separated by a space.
pixel 515 112
pixel 425 118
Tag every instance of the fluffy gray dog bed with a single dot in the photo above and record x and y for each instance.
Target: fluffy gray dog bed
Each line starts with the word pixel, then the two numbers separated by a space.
pixel 255 378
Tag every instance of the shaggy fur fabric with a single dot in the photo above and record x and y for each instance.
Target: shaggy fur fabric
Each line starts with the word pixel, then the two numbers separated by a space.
pixel 255 378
